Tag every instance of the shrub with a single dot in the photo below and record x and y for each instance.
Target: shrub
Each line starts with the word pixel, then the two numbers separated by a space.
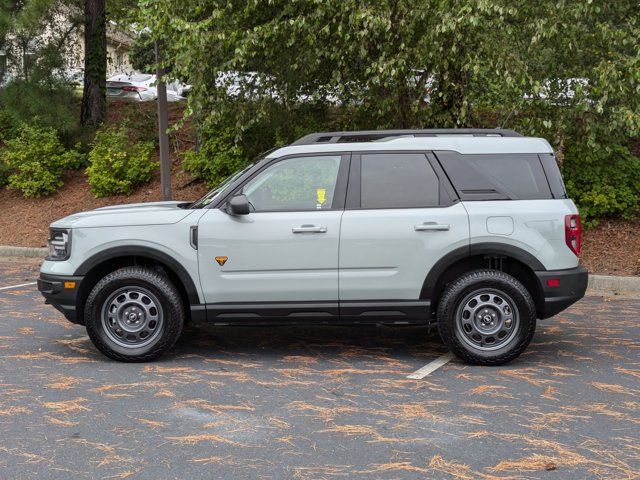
pixel 217 158
pixel 603 180
pixel 35 159
pixel 4 173
pixel 117 166
pixel 142 53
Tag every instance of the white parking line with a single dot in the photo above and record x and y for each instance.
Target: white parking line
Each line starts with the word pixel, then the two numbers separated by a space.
pixel 18 286
pixel 431 367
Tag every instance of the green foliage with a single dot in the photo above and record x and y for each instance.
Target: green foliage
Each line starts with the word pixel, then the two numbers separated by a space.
pixel 35 160
pixel 142 53
pixel 565 71
pixel 139 120
pixel 35 46
pixel 49 105
pixel 222 152
pixel 604 181
pixel 116 166
pixel 4 172
pixel 217 158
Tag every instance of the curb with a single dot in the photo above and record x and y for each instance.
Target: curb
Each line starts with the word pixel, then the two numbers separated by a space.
pixel 600 283
pixel 30 252
pixel 610 283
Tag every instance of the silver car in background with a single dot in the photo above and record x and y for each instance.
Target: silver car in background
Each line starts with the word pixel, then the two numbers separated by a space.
pixel 140 87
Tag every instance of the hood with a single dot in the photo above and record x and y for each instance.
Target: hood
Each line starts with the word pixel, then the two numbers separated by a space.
pixel 151 213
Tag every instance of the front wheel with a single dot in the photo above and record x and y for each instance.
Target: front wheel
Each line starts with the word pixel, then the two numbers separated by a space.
pixel 134 314
pixel 486 317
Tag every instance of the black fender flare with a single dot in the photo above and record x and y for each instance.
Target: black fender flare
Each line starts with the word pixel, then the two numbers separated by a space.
pixel 147 252
pixel 485 248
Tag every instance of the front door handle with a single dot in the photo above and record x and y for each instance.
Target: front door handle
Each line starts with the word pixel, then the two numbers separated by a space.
pixel 431 226
pixel 309 229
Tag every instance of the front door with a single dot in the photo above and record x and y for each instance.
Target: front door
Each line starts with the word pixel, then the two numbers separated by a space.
pixel 280 260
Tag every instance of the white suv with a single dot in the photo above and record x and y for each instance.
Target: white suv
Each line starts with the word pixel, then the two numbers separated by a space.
pixel 470 230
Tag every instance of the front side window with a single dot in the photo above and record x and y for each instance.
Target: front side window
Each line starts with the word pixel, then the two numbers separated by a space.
pixel 295 184
pixel 398 180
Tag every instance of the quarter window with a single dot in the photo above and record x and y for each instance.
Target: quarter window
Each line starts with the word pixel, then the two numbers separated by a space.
pixel 295 184
pixel 496 176
pixel 398 180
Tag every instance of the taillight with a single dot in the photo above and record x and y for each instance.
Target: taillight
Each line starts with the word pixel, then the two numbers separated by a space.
pixel 133 89
pixel 573 233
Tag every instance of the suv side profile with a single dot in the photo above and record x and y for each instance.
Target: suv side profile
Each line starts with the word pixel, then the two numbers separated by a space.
pixel 468 230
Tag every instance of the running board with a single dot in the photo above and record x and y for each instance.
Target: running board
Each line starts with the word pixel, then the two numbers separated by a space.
pixel 395 312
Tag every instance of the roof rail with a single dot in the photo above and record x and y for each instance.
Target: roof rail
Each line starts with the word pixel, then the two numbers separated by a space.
pixel 378 135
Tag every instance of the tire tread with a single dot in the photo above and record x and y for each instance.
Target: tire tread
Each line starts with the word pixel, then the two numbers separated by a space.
pixel 174 318
pixel 480 279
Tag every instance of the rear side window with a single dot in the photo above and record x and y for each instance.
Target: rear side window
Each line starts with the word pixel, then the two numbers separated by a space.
pixel 496 176
pixel 398 180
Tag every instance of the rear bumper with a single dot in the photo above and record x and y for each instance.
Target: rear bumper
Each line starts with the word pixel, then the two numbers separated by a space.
pixel 57 291
pixel 571 286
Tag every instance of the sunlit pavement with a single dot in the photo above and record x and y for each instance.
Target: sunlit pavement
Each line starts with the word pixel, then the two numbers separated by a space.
pixel 317 403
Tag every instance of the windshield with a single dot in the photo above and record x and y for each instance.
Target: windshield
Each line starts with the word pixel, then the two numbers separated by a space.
pixel 210 197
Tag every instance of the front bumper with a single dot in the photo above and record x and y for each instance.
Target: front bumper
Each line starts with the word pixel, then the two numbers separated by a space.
pixel 59 292
pixel 560 289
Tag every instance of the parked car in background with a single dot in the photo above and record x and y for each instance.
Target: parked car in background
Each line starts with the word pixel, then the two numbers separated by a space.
pixel 184 90
pixel 562 91
pixel 137 87
pixel 140 87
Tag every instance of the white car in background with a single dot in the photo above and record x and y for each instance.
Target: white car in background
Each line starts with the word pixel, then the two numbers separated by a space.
pixel 562 91
pixel 140 87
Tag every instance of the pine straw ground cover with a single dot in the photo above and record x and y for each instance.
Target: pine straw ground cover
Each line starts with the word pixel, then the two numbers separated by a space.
pixel 318 403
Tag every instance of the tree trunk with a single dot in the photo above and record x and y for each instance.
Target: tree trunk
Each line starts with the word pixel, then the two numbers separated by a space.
pixel 94 101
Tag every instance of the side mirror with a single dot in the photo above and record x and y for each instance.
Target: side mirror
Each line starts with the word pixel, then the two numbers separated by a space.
pixel 238 205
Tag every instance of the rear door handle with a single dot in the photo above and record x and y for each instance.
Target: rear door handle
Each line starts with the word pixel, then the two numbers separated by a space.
pixel 431 226
pixel 309 229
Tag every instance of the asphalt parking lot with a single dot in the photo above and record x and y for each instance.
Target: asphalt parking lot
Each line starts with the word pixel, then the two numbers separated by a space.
pixel 316 403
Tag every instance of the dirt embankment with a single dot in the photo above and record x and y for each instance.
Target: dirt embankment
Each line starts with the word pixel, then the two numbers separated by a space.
pixel 25 222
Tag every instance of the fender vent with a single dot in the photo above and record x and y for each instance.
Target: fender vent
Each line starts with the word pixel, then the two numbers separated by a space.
pixel 193 237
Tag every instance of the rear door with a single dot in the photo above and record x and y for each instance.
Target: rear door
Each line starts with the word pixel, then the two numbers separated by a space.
pixel 402 216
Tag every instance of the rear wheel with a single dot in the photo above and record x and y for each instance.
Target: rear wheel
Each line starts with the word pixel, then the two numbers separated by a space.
pixel 134 314
pixel 486 317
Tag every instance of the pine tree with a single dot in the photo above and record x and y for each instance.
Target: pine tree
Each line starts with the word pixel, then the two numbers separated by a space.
pixel 94 102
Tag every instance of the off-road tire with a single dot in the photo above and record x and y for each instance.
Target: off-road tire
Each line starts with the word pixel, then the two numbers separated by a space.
pixel 173 313
pixel 457 291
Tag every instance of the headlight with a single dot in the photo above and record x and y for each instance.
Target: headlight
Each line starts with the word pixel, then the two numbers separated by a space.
pixel 59 244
